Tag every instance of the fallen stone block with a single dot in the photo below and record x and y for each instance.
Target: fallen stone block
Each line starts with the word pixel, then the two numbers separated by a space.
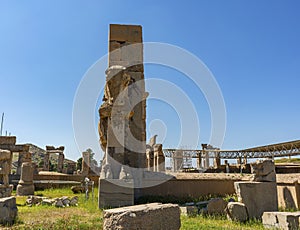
pixel 8 210
pixel 236 211
pixel 189 210
pixel 216 206
pixel 259 197
pixel 281 220
pixel 147 217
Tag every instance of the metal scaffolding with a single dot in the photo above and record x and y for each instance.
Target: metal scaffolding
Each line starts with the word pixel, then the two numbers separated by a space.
pixel 284 149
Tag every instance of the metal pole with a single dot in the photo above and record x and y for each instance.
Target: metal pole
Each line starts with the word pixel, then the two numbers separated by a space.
pixel 2 124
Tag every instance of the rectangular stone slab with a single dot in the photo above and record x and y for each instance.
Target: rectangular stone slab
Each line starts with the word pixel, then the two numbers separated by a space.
pixel 147 217
pixel 259 197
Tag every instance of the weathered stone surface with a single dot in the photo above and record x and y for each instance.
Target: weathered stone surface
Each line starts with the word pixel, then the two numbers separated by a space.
pixel 147 217
pixel 6 190
pixel 8 210
pixel 263 171
pixel 125 33
pixel 189 210
pixel 281 220
pixel 8 140
pixel 115 193
pixel 216 206
pixel 259 197
pixel 236 211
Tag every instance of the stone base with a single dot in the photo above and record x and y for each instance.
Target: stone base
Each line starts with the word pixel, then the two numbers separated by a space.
pixel 146 217
pixel 115 193
pixel 259 197
pixel 281 220
pixel 25 189
pixel 5 190
pixel 8 210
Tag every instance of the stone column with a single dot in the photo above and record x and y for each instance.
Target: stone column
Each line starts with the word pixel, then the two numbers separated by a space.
pixel 160 158
pixel 199 160
pixel 217 161
pixel 60 163
pixel 85 168
pixel 46 161
pixel 26 186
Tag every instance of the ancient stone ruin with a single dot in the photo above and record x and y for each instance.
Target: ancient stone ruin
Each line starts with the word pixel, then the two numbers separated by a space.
pixel 61 157
pixel 256 196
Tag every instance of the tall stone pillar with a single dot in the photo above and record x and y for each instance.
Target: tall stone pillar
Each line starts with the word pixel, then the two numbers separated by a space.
pixel 26 186
pixel 46 162
pixel 60 163
pixel 122 125
pixel 160 158
pixel 85 167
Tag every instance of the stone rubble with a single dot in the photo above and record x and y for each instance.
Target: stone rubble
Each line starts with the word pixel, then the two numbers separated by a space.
pixel 57 202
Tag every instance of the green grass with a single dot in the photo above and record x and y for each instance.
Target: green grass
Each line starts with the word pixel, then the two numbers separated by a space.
pixel 87 216
pixel 216 222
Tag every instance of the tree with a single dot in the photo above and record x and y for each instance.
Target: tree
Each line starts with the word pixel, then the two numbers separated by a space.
pixel 79 164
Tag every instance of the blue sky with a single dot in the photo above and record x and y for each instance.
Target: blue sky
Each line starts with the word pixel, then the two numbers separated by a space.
pixel 251 47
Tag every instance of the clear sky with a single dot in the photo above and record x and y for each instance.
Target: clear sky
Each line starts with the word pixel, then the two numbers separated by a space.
pixel 252 48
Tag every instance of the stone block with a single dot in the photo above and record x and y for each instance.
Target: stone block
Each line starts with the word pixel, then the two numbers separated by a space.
pixel 125 33
pixel 8 210
pixel 216 206
pixel 8 140
pixel 189 210
pixel 147 217
pixel 259 197
pixel 281 220
pixel 6 190
pixel 236 211
pixel 263 171
pixel 115 193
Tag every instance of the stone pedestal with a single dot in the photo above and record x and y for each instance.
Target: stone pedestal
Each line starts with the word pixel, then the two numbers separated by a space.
pixel 8 210
pixel 26 186
pixel 259 197
pixel 115 193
